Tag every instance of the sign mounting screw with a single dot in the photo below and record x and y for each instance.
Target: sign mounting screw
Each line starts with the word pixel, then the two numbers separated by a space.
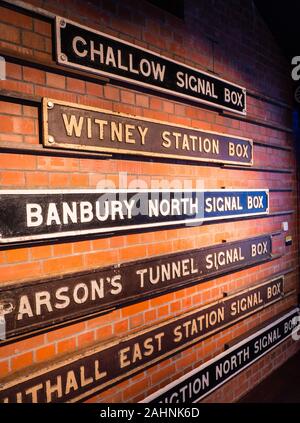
pixel 63 57
pixel 51 139
pixel 50 105
pixel 62 23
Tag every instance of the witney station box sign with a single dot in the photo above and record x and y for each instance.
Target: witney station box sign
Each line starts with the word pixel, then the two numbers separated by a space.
pixel 30 306
pixel 84 48
pixel 43 214
pixel 203 380
pixel 68 125
pixel 92 370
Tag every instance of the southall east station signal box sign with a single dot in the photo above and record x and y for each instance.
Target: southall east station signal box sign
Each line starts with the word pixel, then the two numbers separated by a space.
pixel 43 214
pixel 68 125
pixel 81 375
pixel 32 305
pixel 84 48
pixel 203 380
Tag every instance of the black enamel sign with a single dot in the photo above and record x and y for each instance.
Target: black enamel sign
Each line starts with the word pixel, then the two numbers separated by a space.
pixel 203 380
pixel 84 48
pixel 30 306
pixel 43 214
pixel 92 370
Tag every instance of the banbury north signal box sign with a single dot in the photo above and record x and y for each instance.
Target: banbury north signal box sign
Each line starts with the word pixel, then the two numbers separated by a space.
pixel 69 125
pixel 32 305
pixel 84 48
pixel 43 214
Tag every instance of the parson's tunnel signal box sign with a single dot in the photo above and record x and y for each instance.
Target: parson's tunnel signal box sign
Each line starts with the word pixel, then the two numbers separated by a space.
pixel 37 304
pixel 84 48
pixel 71 126
pixel 27 215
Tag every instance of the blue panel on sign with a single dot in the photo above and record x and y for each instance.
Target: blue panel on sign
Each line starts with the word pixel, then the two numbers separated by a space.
pixel 235 203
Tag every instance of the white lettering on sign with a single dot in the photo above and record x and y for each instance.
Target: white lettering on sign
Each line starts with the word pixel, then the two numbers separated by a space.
pixel 259 249
pixel 114 57
pixel 167 272
pixel 255 202
pixel 34 305
pixel 274 290
pixel 234 362
pixel 196 84
pixel 192 327
pixel 136 352
pixel 238 150
pixel 187 142
pixel 266 341
pixel 233 97
pixel 76 126
pixel 223 258
pixel 246 303
pixel 221 204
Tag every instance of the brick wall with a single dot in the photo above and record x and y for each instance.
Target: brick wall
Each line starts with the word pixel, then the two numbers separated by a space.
pixel 244 53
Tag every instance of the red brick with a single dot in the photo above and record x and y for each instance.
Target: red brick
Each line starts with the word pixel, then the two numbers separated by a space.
pixel 18 254
pixel 69 345
pixel 63 265
pixel 111 93
pixel 104 332
pixel 79 180
pixel 43 28
pixel 62 249
pixel 9 33
pixel 135 308
pixel 17 272
pixel 65 332
pixel 10 108
pixel 6 124
pixel 13 71
pixel 14 178
pixel 37 179
pixel 45 353
pixel 142 100
pixel 135 389
pixel 34 75
pixel 127 97
pixel 100 259
pixel 86 339
pixel 32 40
pixel 121 327
pixel 14 18
pixel 23 125
pixel 22 87
pixel 4 368
pixel 76 85
pixel 41 252
pixel 59 180
pixel 22 361
pixel 55 81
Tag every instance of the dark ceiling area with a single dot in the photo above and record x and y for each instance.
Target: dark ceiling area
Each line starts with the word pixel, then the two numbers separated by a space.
pixel 283 19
